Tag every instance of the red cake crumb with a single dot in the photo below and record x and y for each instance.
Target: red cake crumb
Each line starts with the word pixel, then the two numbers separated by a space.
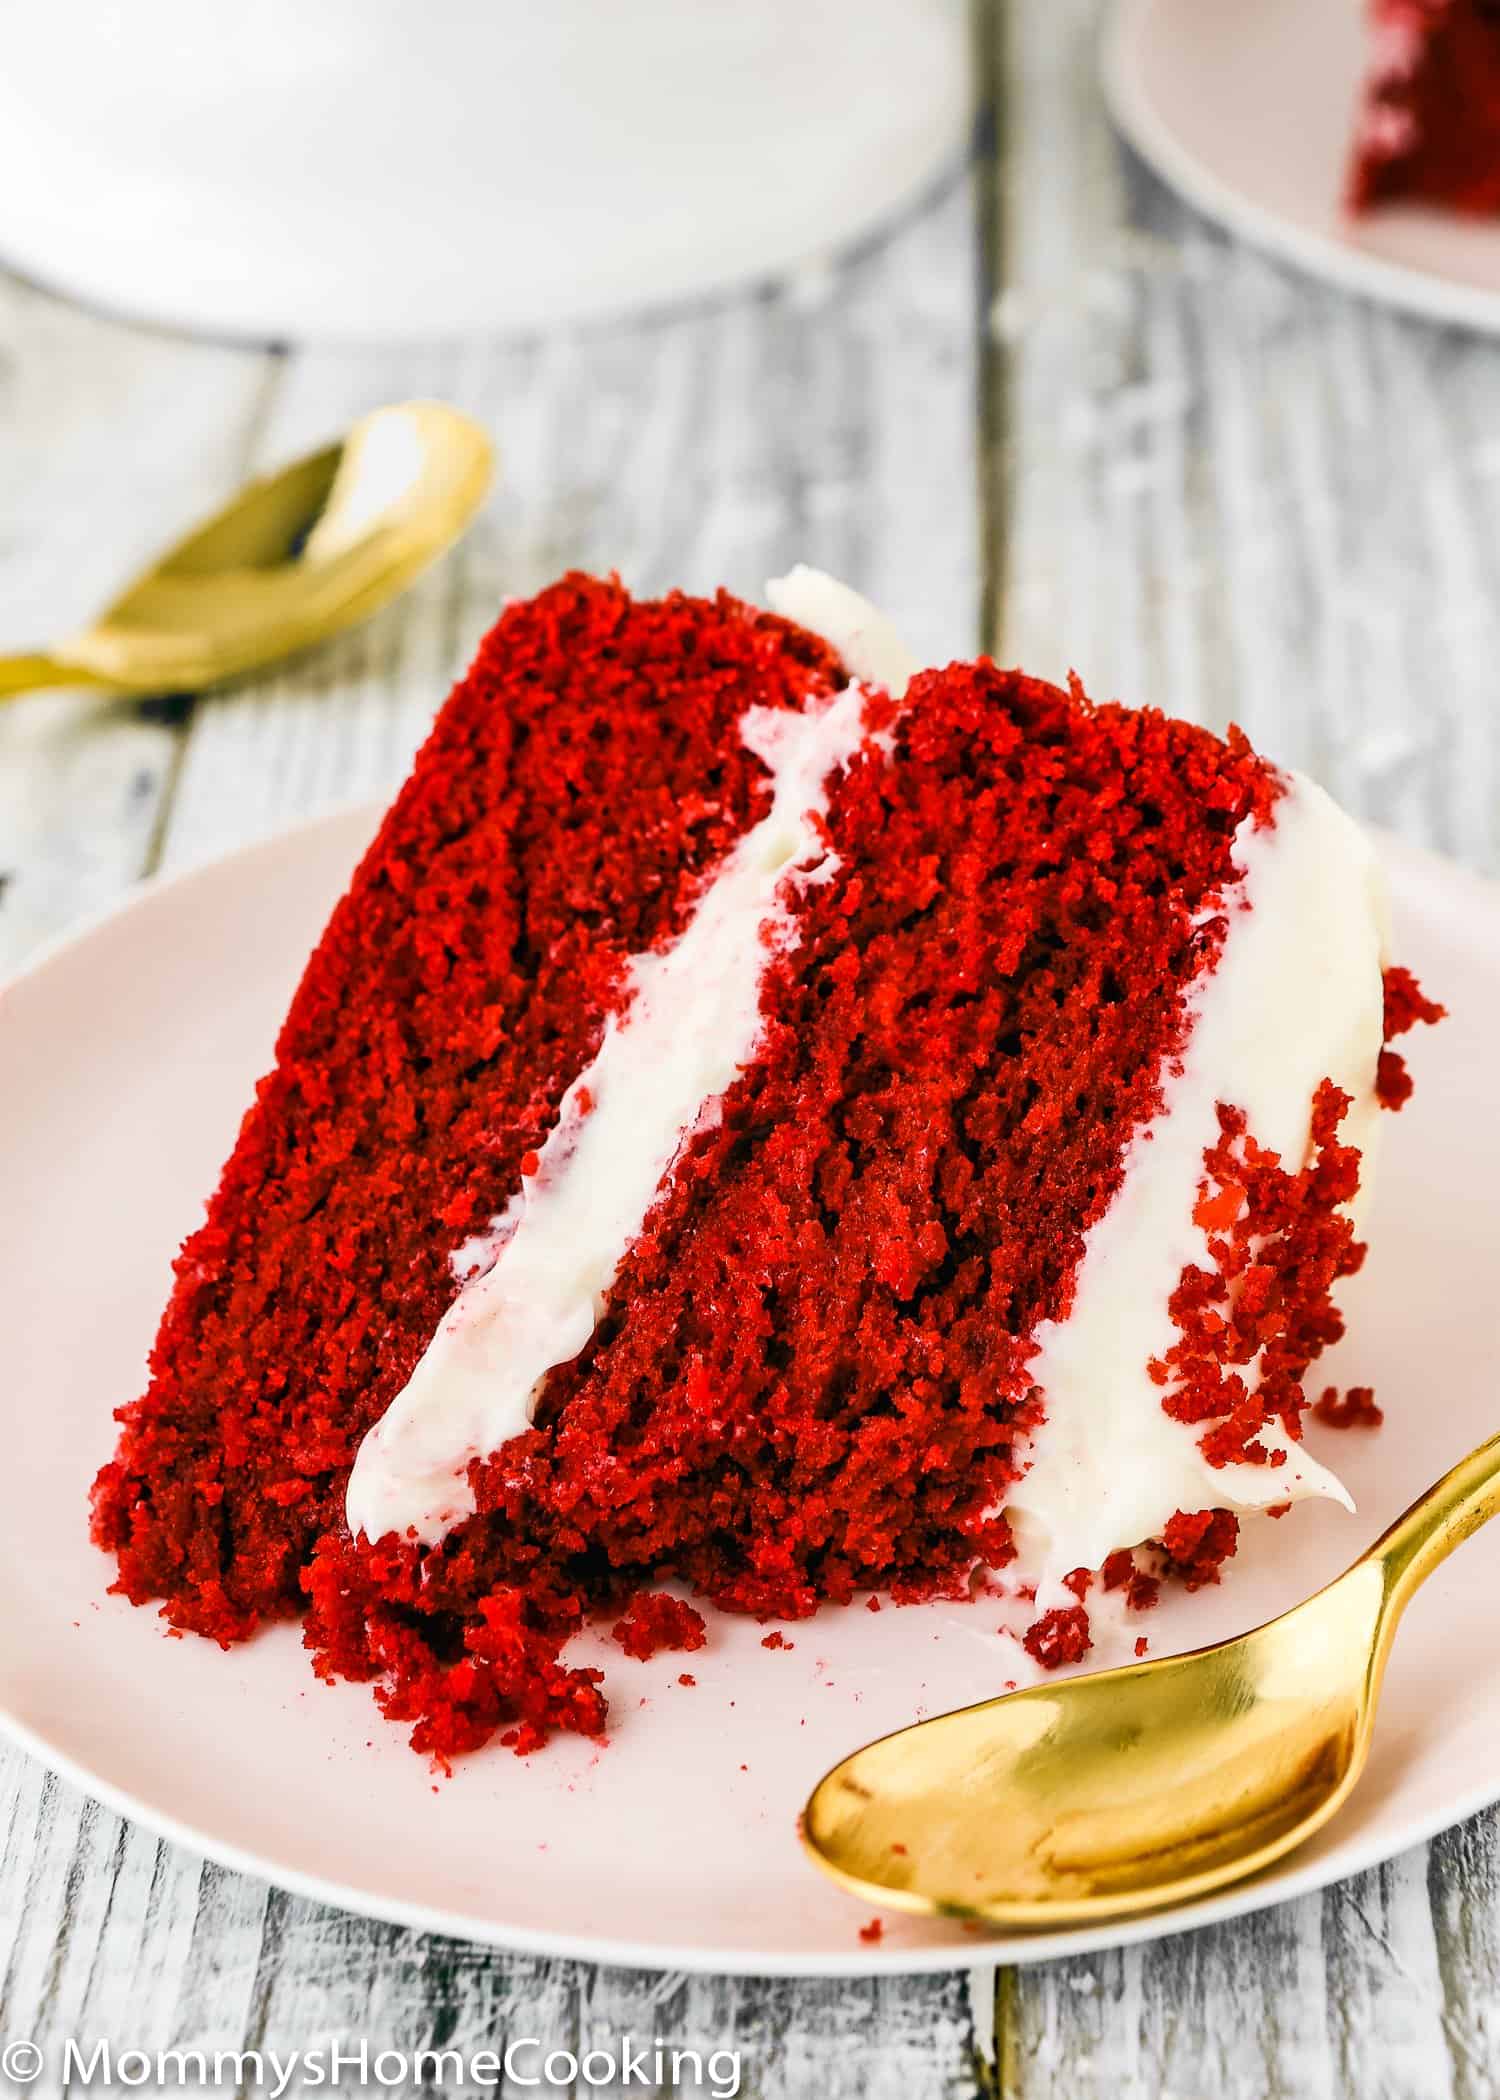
pixel 1405 1006
pixel 654 1621
pixel 872 1932
pixel 1355 1409
pixel 1278 1249
pixel 506 1671
pixel 1122 1572
pixel 1429 125
pixel 1059 1637
pixel 809 1378
pixel 687 1677
pixel 1197 1546
pixel 777 1640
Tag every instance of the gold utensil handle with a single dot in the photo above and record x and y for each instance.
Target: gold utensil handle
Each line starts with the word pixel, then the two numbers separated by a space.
pixel 31 674
pixel 1451 1511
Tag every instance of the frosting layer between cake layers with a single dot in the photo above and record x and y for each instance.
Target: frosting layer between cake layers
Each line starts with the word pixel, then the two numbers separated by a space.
pixel 691 1024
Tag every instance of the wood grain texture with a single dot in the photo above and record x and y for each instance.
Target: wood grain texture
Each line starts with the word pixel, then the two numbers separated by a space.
pixel 1202 482
pixel 109 436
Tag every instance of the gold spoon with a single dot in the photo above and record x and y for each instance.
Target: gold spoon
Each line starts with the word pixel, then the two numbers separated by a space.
pixel 1123 1791
pixel 293 559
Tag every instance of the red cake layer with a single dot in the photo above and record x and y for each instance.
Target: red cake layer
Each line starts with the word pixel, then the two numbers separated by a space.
pixel 1429 126
pixel 810 1376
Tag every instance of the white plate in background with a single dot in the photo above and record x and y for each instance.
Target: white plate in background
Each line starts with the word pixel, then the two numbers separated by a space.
pixel 1247 107
pixel 380 169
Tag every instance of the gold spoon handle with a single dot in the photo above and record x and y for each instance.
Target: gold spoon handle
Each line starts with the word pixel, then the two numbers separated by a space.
pixel 1451 1511
pixel 30 674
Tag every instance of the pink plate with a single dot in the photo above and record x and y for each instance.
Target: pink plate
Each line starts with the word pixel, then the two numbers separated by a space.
pixel 1247 107
pixel 126 1058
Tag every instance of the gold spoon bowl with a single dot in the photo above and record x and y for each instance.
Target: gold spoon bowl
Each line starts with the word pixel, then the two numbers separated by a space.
pixel 293 559
pixel 1100 1796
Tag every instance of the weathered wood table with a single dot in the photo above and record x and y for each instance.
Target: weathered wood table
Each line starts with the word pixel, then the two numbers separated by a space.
pixel 1050 412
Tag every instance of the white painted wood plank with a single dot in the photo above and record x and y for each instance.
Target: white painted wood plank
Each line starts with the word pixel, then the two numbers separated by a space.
pixel 888 2040
pixel 1347 1994
pixel 831 421
pixel 111 440
pixel 1384 1987
pixel 1230 2013
pixel 1464 1886
pixel 1242 496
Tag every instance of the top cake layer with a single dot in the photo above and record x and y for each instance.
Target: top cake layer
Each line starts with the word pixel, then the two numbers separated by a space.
pixel 577 786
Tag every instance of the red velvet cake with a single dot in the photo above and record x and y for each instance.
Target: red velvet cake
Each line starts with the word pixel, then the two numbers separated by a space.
pixel 1429 126
pixel 766 1121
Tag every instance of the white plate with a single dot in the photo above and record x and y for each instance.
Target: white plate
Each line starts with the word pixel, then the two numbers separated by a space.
pixel 383 170
pixel 126 1058
pixel 1247 107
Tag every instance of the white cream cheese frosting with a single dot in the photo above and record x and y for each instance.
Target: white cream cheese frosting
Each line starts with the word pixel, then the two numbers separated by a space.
pixel 869 645
pixel 1296 997
pixel 691 1024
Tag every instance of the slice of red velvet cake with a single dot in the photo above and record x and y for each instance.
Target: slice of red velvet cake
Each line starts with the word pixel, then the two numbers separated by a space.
pixel 1429 124
pixel 766 1119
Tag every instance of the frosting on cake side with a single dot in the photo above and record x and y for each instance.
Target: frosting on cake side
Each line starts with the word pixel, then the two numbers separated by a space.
pixel 1109 1467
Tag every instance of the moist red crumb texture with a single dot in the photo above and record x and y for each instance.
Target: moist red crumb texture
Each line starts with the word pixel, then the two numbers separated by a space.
pixel 1429 123
pixel 1355 1409
pixel 809 1379
pixel 656 1621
